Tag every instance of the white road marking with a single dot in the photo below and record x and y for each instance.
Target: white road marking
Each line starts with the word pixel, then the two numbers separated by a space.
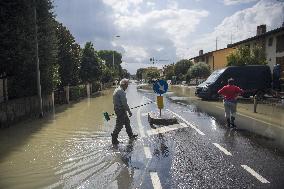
pixel 147 152
pixel 184 120
pixel 144 114
pixel 155 180
pixel 183 125
pixel 149 99
pixel 165 129
pixel 254 119
pixel 140 126
pixel 255 174
pixel 223 149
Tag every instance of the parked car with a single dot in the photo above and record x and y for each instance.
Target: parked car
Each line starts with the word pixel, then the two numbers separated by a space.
pixel 253 79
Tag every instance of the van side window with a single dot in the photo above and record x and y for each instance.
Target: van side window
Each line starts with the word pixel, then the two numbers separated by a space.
pixel 280 43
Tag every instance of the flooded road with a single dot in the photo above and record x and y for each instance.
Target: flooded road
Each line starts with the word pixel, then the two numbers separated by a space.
pixel 72 149
pixel 62 150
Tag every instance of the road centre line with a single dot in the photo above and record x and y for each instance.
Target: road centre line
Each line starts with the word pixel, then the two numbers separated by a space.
pixel 189 124
pixel 255 174
pixel 147 152
pixel 254 119
pixel 223 149
pixel 155 180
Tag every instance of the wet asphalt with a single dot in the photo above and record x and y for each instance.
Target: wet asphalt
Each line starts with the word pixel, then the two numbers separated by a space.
pixel 184 158
pixel 73 149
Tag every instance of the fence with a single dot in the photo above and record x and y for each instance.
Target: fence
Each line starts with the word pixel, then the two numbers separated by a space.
pixel 13 111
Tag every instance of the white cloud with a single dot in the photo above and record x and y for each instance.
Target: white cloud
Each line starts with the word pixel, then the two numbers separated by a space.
pixel 157 32
pixel 163 29
pixel 241 25
pixel 234 2
pixel 123 6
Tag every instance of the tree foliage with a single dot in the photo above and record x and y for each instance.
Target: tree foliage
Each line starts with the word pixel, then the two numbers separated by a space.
pixel 91 69
pixel 181 67
pixel 169 72
pixel 152 74
pixel 18 45
pixel 68 56
pixel 125 74
pixel 198 70
pixel 139 73
pixel 108 56
pixel 106 74
pixel 245 56
pixel 113 60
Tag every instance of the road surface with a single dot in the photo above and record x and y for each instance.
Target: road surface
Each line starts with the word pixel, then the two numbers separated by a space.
pixel 72 149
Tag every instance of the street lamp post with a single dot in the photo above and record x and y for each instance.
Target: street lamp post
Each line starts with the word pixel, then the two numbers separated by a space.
pixel 37 65
pixel 113 55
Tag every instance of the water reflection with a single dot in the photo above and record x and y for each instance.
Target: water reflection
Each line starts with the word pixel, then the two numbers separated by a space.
pixel 161 149
pixel 64 149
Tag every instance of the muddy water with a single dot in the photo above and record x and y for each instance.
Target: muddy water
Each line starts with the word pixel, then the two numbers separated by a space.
pixel 60 151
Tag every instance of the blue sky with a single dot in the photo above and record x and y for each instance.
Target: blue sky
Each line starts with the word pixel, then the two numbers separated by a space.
pixel 165 29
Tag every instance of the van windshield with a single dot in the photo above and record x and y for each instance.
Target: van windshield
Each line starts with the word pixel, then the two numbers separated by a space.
pixel 214 76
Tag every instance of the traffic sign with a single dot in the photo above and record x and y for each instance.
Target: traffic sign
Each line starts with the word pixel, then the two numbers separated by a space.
pixel 160 87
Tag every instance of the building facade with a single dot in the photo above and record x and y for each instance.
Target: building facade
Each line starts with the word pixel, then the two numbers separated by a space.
pixel 272 42
pixel 215 59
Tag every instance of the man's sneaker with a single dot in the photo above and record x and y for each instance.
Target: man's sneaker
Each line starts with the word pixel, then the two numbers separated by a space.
pixel 133 137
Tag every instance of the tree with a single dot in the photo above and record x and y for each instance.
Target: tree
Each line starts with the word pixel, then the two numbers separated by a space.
pixel 17 47
pixel 115 66
pixel 169 72
pixel 181 67
pixel 152 74
pixel 91 70
pixel 68 56
pixel 244 56
pixel 139 73
pixel 198 70
pixel 108 56
pixel 125 74
pixel 106 74
pixel 76 57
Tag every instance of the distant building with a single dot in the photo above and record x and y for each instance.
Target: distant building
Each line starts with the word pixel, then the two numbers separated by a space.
pixel 272 42
pixel 215 59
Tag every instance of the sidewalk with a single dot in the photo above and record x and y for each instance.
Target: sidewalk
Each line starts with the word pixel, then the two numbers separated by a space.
pixel 266 113
pixel 271 114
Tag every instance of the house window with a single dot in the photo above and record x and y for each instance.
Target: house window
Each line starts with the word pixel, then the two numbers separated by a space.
pixel 280 43
pixel 280 61
pixel 270 41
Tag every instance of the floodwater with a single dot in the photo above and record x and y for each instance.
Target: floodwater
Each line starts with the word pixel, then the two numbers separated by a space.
pixel 60 151
pixel 72 148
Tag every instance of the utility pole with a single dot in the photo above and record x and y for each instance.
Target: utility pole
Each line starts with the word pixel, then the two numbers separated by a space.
pixel 216 43
pixel 37 65
pixel 113 55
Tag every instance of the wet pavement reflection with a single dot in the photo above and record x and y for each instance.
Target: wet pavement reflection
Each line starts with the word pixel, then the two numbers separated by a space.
pixel 72 149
